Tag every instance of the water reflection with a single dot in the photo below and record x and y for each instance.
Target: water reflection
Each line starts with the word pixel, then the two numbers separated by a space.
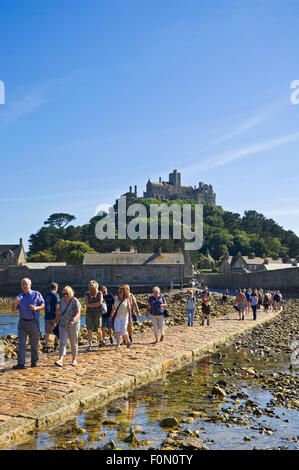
pixel 175 395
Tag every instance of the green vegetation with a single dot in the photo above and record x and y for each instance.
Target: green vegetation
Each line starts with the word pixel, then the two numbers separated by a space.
pixel 223 231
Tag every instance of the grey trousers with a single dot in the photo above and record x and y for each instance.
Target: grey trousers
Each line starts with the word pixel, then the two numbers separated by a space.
pixel 158 322
pixel 72 334
pixel 28 328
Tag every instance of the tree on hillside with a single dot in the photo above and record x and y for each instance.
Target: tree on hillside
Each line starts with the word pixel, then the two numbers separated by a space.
pixel 45 256
pixel 59 220
pixel 71 251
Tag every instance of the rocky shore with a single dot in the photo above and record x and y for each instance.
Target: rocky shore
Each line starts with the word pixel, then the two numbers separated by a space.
pixel 264 359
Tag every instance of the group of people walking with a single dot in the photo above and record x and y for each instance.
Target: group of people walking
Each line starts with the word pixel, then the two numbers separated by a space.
pixel 253 300
pixel 112 316
pixel 105 314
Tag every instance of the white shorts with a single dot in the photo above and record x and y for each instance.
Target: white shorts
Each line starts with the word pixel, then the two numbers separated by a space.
pixel 120 326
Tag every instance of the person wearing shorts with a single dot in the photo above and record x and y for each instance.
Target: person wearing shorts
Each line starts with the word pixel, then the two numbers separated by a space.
pixel 93 301
pixel 51 305
pixel 120 316
pixel 106 320
pixel 248 295
pixel 241 303
pixel 205 306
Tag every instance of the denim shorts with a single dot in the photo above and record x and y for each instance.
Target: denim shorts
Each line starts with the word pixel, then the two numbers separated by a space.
pixel 106 323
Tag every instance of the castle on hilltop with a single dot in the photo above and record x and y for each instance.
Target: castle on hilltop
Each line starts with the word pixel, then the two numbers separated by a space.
pixel 173 189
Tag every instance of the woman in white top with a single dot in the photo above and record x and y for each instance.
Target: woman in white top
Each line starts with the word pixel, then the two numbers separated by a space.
pixel 120 316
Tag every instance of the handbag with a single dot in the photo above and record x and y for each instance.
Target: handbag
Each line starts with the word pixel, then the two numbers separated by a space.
pixel 55 331
pixel 133 311
pixel 166 313
pixel 104 308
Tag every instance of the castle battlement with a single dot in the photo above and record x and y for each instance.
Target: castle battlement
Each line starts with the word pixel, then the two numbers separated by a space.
pixel 173 189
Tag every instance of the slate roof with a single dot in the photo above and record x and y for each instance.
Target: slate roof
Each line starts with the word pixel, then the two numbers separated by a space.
pixel 5 248
pixel 133 258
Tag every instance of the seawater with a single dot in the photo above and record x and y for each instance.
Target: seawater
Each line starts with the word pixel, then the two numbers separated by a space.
pixel 174 395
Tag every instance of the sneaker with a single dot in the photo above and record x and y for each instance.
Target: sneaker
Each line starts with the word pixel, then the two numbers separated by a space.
pixel 117 348
pixel 208 323
pixel 111 339
pixel 58 363
pixel 128 345
pixel 19 366
pixel 89 349
pixel 74 363
pixel 130 338
pixel 33 364
pixel 162 338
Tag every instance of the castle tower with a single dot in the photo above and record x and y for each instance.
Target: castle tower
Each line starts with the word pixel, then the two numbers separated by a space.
pixel 175 178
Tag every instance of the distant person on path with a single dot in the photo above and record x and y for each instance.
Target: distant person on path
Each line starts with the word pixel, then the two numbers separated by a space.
pixel 29 304
pixel 156 306
pixel 68 316
pixel 241 303
pixel 51 306
pixel 93 301
pixel 224 297
pixel 106 321
pixel 248 295
pixel 205 305
pixel 134 311
pixel 170 286
pixel 121 313
pixel 276 299
pixel 266 301
pixel 190 307
pixel 254 303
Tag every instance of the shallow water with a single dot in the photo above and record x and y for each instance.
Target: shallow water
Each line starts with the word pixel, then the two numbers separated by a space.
pixel 9 324
pixel 174 395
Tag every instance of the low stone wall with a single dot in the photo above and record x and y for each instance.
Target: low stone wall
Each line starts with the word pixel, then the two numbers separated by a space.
pixel 286 280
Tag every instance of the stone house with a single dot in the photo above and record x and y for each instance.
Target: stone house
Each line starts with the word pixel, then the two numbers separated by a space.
pixel 251 263
pixel 12 255
pixel 140 268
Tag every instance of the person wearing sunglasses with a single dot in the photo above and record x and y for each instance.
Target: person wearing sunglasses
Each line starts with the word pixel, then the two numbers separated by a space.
pixel 68 316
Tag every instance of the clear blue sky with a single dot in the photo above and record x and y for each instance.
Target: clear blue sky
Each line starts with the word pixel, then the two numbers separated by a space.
pixel 101 95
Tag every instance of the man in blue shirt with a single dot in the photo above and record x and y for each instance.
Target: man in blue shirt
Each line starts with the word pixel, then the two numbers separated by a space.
pixel 29 304
pixel 51 304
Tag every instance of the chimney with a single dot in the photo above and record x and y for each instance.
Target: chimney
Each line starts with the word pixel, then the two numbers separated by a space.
pixel 135 190
pixel 21 241
pixel 130 189
pixel 160 179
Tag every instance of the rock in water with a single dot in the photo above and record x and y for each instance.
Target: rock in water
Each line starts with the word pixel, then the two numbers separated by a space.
pixel 218 391
pixel 169 422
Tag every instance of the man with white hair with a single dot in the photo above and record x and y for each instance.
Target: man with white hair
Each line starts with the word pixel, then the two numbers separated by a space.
pixel 29 303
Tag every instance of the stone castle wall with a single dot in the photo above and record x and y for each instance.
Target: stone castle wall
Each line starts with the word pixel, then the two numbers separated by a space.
pixel 79 276
pixel 286 280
